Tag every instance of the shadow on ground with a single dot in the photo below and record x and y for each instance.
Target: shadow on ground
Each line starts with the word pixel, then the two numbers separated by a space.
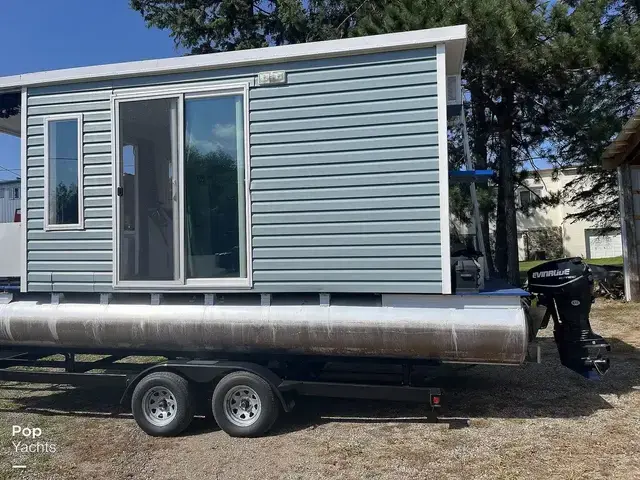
pixel 528 391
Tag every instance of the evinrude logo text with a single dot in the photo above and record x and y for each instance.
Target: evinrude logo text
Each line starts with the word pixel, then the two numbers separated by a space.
pixel 551 273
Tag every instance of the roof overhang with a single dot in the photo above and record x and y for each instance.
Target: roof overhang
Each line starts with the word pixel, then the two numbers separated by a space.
pixel 624 148
pixel 454 37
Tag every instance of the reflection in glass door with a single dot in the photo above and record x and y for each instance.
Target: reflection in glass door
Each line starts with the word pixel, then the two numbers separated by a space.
pixel 148 190
pixel 214 177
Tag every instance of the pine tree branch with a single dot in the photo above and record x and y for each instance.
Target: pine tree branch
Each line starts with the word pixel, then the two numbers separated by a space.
pixel 351 14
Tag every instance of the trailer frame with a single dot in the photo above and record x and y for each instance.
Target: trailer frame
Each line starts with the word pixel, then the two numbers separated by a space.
pixel 205 374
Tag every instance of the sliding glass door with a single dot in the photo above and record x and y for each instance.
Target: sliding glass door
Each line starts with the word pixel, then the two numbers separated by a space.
pixel 181 190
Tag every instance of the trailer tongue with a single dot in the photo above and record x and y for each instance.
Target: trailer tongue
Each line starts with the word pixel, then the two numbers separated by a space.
pixel 565 288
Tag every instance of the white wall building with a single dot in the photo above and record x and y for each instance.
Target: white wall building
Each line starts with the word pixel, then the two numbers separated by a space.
pixel 579 239
pixel 9 200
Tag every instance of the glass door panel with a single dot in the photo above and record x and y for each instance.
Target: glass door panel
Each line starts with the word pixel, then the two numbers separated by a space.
pixel 214 179
pixel 148 191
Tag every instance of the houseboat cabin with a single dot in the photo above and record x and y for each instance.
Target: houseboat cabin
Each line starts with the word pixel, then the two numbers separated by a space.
pixel 318 167
pixel 187 203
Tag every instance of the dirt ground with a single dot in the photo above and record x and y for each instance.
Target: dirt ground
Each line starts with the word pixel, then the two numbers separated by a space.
pixel 534 421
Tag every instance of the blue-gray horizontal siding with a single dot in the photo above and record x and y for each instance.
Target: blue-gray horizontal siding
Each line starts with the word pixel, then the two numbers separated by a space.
pixel 345 180
pixel 79 260
pixel 344 169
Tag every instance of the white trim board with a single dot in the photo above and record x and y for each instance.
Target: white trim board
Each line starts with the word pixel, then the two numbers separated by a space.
pixel 23 190
pixel 455 37
pixel 443 169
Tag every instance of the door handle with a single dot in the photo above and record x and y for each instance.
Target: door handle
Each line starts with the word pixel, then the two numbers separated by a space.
pixel 120 191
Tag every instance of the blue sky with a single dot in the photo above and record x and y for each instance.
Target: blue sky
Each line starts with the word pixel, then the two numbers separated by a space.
pixel 50 34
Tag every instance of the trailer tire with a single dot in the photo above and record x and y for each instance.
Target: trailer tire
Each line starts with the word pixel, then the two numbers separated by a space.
pixel 244 405
pixel 163 404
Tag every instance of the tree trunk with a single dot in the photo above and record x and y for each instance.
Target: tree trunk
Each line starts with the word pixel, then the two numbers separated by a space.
pixel 508 204
pixel 501 232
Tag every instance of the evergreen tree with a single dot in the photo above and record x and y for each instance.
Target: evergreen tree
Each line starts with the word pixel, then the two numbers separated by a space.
pixel 544 80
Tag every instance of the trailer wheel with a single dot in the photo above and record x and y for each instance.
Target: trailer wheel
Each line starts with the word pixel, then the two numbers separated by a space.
pixel 163 404
pixel 244 405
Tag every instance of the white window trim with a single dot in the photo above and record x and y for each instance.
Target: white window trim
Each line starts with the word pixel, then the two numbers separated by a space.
pixel 78 117
pixel 191 90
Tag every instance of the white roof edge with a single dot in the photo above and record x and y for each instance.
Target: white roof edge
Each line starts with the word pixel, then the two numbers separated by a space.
pixel 392 41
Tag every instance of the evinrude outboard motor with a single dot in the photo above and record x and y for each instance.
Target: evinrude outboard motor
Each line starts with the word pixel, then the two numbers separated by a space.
pixel 565 287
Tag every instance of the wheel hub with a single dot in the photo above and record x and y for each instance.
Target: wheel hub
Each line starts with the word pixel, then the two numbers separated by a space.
pixel 242 405
pixel 159 406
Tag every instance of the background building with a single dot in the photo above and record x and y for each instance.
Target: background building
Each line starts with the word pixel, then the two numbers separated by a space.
pixel 9 200
pixel 546 233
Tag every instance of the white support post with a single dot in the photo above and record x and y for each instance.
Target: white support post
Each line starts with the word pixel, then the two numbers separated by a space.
pixel 57 298
pixel 105 298
pixel 443 170
pixel 265 299
pixel 156 298
pixel 325 299
pixel 210 299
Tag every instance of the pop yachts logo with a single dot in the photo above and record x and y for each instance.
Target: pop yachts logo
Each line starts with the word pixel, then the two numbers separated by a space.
pixel 551 273
pixel 33 434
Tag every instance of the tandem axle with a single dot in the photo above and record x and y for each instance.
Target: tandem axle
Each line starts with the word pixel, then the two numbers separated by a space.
pixel 245 397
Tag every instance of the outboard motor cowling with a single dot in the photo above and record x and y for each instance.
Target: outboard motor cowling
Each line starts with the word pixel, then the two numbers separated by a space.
pixel 565 288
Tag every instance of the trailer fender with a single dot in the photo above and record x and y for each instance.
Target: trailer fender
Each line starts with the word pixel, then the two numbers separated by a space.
pixel 208 371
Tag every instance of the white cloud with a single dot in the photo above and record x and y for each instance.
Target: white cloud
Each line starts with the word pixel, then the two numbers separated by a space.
pixel 225 131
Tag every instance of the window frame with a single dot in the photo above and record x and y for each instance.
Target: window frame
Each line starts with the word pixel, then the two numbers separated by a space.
pixel 533 192
pixel 79 118
pixel 181 92
pixel 520 202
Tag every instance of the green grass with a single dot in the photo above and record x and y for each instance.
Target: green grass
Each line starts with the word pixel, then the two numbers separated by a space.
pixel 606 261
pixel 526 266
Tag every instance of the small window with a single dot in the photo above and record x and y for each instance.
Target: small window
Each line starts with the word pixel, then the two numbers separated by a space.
pixel 63 172
pixel 525 198
pixel 1 192
pixel 16 193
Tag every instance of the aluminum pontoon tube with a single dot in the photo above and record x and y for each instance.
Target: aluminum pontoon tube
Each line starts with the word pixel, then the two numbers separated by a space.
pixel 470 333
